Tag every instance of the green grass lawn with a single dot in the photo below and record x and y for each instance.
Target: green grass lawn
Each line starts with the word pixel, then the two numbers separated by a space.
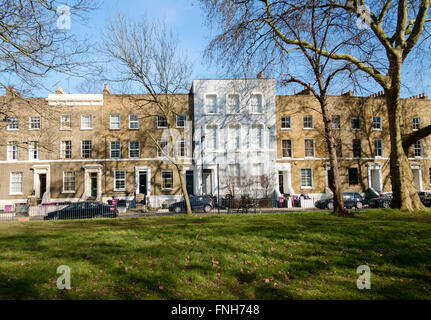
pixel 309 255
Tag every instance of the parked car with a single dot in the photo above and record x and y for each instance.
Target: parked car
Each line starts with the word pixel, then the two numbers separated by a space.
pixel 83 210
pixel 381 202
pixel 205 203
pixel 425 198
pixel 351 200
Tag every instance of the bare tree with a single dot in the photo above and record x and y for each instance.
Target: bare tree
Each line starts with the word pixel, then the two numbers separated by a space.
pixel 377 44
pixel 146 58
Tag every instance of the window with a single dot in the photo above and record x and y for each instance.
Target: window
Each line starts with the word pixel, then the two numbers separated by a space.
pixel 286 148
pixel 257 136
pixel 65 122
pixel 162 148
pixel 167 180
pixel 306 178
pixel 234 170
pixel 309 147
pixel 34 123
pixel 66 149
pixel 181 121
pixel 133 121
pixel 377 123
pixel 378 148
pixel 234 137
pixel 115 122
pixel 416 123
pixel 357 149
pixel 120 180
pixel 418 149
pixel 33 150
pixel 211 103
pixel 258 169
pixel 134 149
pixel 181 148
pixel 16 183
pixel 68 181
pixel 211 137
pixel 86 122
pixel 12 151
pixel 429 174
pixel 256 103
pixel 12 123
pixel 281 181
pixel 336 123
pixel 356 123
pixel 339 148
pixel 161 122
pixel 353 176
pixel 116 149
pixel 285 122
pixel 233 103
pixel 308 122
pixel 86 149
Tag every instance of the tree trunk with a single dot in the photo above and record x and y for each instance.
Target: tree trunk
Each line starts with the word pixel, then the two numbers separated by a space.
pixel 405 195
pixel 184 189
pixel 333 161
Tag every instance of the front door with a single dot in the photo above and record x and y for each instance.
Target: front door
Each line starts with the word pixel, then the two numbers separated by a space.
pixel 94 184
pixel 143 182
pixel 189 182
pixel 42 180
pixel 375 179
pixel 207 182
pixel 331 180
pixel 416 177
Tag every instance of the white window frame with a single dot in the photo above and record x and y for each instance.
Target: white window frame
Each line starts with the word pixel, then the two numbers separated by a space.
pixel 238 169
pixel 18 182
pixel 185 119
pixel 304 121
pixel 158 120
pixel 12 149
pixel 314 149
pixel 119 180
pixel 163 182
pixel 15 122
pixel 416 123
pixel 233 108
pixel 62 122
pixel 375 149
pixel 160 154
pixel 211 146
pixel 254 143
pixel 63 149
pixel 31 122
pixel 88 116
pixel 291 149
pixel 114 121
pixel 116 149
pixel 33 146
pixel 134 121
pixel 91 149
pixel 139 149
pixel 359 122
pixel 214 107
pixel 379 123
pixel 253 106
pixel 237 144
pixel 421 149
pixel 336 116
pixel 181 148
pixel 73 180
pixel 353 148
pixel 312 180
pixel 284 120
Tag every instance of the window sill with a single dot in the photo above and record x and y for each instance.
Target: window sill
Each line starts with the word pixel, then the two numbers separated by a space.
pixel 162 127
pixel 115 129
pixel 355 129
pixel 86 129
pixel 12 129
pixel 308 128
pixel 120 190
pixel 306 187
pixel 285 128
pixel 133 128
pixel 29 129
pixel 65 129
pixel 16 194
pixel 68 192
pixel 377 129
pixel 169 189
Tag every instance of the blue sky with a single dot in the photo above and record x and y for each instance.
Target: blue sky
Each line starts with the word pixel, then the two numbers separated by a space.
pixel 188 21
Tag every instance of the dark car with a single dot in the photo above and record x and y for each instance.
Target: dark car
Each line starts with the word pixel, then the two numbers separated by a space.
pixel 381 202
pixel 205 203
pixel 83 210
pixel 351 200
pixel 425 198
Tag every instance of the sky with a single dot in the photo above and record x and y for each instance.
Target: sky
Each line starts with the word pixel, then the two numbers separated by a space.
pixel 188 21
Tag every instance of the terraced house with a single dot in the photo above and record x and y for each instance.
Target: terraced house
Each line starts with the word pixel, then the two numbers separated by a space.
pixel 228 132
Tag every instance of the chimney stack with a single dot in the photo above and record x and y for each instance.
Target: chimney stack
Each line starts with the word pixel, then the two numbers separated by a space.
pixel 60 90
pixel 106 89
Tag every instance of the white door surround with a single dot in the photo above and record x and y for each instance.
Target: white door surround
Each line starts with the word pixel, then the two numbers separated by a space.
pixel 148 171
pixel 38 170
pixel 88 170
pixel 375 176
pixel 417 176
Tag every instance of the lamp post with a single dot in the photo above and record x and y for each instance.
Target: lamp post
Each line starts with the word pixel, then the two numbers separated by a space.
pixel 202 160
